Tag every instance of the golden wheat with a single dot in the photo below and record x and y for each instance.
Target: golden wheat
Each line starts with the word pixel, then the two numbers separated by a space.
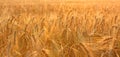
pixel 60 30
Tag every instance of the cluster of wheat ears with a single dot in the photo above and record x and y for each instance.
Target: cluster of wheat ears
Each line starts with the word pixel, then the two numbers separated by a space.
pixel 60 30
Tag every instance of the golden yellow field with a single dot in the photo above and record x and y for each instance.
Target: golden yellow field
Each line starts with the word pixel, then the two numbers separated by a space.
pixel 60 29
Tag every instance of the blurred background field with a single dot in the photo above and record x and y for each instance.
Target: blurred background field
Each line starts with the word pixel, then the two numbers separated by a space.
pixel 42 28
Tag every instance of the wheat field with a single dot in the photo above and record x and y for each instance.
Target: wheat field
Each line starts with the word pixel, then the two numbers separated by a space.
pixel 60 29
